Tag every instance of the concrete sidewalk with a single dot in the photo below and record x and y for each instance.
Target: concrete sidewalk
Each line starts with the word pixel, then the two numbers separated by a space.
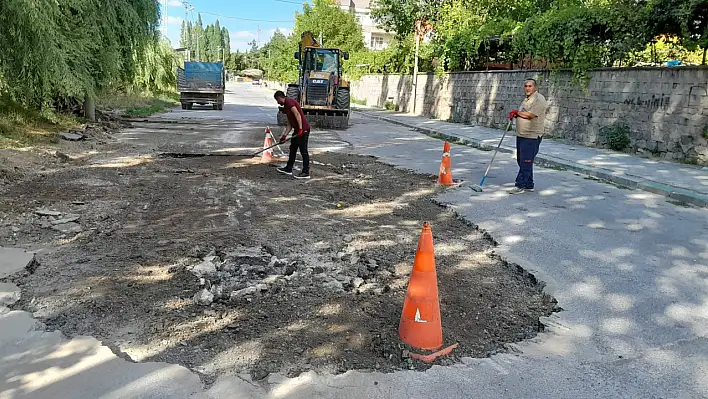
pixel 685 183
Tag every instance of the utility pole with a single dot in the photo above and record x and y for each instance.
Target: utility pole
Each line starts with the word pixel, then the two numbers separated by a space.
pixel 192 32
pixel 165 18
pixel 415 66
pixel 188 33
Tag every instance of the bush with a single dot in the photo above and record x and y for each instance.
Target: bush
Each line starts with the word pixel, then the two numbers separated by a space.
pixel 616 136
pixel 389 105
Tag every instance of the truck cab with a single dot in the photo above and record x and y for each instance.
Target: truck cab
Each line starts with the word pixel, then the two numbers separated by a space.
pixel 201 83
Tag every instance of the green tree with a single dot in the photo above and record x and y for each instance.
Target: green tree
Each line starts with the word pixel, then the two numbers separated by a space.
pixel 54 51
pixel 200 45
pixel 226 42
pixel 216 42
pixel 277 58
pixel 339 28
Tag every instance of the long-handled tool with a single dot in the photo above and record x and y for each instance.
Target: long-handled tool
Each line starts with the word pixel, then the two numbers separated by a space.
pixel 274 145
pixel 272 136
pixel 479 188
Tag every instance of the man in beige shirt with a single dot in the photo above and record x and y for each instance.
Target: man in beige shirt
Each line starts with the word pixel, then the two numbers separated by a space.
pixel 530 119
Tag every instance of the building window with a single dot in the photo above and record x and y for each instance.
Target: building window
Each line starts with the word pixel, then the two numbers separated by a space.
pixel 377 42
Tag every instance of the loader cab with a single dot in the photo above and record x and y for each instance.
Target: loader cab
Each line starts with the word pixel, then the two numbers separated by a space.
pixel 320 75
pixel 321 60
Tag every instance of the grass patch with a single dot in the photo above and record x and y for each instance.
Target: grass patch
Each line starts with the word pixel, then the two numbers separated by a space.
pixel 616 185
pixel 22 127
pixel 357 101
pixel 679 203
pixel 138 105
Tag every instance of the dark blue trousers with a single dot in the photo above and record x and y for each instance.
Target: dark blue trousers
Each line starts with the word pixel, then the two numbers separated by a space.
pixel 526 151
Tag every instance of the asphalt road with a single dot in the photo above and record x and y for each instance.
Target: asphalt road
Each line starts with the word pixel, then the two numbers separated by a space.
pixel 629 269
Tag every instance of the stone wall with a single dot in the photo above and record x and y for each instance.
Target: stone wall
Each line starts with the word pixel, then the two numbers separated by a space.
pixel 665 108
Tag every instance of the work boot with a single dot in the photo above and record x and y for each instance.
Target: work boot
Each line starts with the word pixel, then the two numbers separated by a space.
pixel 519 190
pixel 303 175
pixel 284 170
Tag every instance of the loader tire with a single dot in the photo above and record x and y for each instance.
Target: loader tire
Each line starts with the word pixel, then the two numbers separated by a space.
pixel 342 101
pixel 293 92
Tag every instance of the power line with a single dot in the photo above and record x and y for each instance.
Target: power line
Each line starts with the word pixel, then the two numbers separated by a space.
pixel 291 2
pixel 241 19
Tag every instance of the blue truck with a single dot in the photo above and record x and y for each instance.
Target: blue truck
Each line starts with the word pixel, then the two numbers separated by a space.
pixel 201 83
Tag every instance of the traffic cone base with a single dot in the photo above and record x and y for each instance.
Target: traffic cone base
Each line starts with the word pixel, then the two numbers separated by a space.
pixel 429 358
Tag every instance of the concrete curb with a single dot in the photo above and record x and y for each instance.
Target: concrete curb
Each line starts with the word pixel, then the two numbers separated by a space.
pixel 675 193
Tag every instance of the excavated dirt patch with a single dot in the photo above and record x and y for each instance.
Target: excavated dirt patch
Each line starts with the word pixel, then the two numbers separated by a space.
pixel 223 265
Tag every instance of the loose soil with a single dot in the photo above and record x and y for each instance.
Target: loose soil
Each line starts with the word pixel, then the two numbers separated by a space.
pixel 223 265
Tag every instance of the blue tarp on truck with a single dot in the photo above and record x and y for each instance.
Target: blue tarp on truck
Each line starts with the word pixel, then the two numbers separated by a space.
pixel 201 83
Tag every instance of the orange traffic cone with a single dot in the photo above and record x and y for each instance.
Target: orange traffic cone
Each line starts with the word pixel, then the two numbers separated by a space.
pixel 420 324
pixel 267 154
pixel 445 177
pixel 420 320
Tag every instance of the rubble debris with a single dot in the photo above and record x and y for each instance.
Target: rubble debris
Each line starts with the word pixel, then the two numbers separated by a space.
pixel 66 219
pixel 47 212
pixel 72 136
pixel 207 267
pixel 243 292
pixel 71 227
pixel 64 157
pixel 204 297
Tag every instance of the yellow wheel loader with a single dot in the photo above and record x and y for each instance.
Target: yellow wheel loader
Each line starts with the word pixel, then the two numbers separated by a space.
pixel 321 91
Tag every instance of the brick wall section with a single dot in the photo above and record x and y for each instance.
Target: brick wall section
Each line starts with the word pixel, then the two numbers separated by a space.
pixel 665 108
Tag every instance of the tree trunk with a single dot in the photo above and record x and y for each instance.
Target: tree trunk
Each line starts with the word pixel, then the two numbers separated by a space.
pixel 89 109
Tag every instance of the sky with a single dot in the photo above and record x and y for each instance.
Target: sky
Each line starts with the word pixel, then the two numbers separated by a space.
pixel 243 18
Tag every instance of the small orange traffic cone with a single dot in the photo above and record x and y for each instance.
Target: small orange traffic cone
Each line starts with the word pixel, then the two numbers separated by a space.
pixel 420 325
pixel 267 154
pixel 445 177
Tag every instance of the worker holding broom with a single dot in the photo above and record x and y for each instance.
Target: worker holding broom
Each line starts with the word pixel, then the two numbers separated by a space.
pixel 301 133
pixel 530 120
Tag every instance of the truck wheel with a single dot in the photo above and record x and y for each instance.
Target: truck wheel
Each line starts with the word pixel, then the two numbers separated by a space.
pixel 214 107
pixel 189 105
pixel 282 119
pixel 220 107
pixel 342 101
pixel 293 92
pixel 184 106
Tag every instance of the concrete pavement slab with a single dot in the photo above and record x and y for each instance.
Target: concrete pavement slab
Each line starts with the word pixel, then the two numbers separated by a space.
pixel 12 260
pixel 9 294
pixel 37 364
pixel 685 183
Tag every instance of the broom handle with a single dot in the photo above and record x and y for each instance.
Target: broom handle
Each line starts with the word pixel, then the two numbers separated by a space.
pixel 274 145
pixel 508 126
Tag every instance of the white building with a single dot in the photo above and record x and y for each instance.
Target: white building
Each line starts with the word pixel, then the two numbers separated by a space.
pixel 374 38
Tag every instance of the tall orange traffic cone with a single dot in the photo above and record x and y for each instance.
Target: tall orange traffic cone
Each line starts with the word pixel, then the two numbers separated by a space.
pixel 420 324
pixel 267 154
pixel 445 177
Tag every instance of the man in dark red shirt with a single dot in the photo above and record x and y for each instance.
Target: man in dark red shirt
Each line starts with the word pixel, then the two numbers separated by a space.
pixel 301 133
